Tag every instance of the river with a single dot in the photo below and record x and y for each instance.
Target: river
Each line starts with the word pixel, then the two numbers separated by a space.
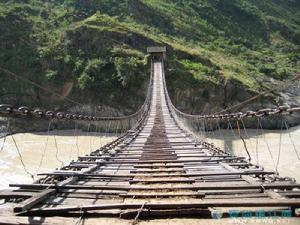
pixel 39 157
pixel 41 152
pixel 267 148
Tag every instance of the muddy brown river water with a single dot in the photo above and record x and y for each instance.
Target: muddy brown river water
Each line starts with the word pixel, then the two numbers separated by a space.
pixel 269 149
pixel 38 157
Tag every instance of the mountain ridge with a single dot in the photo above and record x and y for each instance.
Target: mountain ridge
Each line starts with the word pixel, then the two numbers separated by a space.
pixel 219 52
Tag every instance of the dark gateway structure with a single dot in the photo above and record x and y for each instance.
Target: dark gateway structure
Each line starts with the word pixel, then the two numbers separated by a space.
pixel 154 170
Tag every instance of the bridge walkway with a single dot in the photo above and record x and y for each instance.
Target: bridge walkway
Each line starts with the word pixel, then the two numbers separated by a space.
pixel 156 170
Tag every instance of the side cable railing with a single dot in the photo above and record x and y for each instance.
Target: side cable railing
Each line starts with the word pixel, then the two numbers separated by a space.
pixel 221 132
pixel 26 112
pixel 107 132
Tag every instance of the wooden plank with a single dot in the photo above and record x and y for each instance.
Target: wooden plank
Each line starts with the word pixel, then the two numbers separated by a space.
pixel 161 195
pixel 158 166
pixel 159 171
pixel 180 143
pixel 279 186
pixel 154 156
pixel 29 203
pixel 221 195
pixel 169 149
pixel 163 206
pixel 11 194
pixel 272 194
pixel 100 175
pixel 161 181
pixel 163 161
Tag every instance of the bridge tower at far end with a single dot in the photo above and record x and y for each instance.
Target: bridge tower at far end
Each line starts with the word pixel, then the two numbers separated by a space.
pixel 157 53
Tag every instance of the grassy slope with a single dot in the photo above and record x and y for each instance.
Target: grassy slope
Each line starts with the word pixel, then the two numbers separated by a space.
pixel 219 51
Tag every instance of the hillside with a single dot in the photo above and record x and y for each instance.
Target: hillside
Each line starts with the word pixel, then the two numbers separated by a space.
pixel 220 52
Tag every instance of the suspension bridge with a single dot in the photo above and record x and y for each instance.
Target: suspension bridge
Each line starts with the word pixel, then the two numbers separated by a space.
pixel 157 168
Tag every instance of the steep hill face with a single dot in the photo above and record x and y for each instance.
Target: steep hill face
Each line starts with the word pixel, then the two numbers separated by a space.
pixel 220 52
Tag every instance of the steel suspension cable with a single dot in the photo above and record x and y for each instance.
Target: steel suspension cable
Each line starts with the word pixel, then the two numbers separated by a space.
pixel 279 147
pixel 57 151
pixel 5 137
pixel 21 158
pixel 45 147
pixel 244 142
pixel 267 144
pixel 292 142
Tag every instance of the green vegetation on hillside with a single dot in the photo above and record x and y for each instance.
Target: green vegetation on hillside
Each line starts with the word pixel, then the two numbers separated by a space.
pixel 216 49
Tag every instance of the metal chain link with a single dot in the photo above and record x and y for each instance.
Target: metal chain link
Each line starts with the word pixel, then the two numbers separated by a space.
pixel 281 110
pixel 24 111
